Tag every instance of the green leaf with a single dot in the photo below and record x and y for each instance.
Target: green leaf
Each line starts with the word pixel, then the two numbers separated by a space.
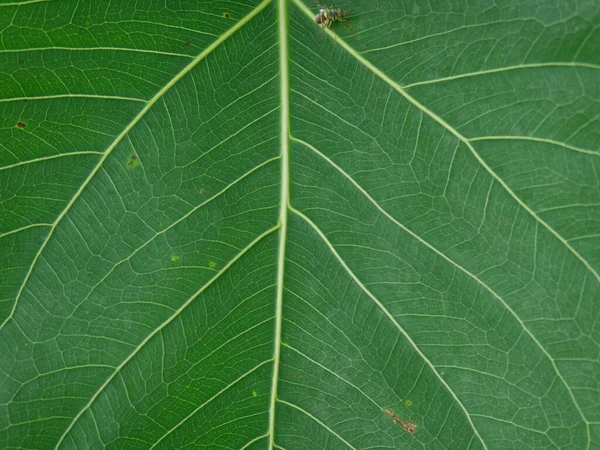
pixel 223 227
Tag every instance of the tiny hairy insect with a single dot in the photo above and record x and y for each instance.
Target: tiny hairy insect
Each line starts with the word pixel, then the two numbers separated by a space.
pixel 327 15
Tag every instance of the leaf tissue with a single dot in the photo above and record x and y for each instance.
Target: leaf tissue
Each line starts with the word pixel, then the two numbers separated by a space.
pixel 223 226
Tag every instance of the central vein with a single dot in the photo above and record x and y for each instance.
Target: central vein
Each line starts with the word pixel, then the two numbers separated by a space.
pixel 284 202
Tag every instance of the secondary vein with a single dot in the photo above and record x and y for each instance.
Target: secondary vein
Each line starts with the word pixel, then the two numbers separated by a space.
pixel 456 134
pixel 122 135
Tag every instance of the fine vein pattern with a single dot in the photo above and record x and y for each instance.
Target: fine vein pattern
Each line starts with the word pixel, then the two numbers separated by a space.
pixel 226 227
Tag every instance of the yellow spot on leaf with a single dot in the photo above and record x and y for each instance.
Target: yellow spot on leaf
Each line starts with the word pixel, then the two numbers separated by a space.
pixel 212 264
pixel 133 161
pixel 408 403
pixel 175 258
pixel 254 394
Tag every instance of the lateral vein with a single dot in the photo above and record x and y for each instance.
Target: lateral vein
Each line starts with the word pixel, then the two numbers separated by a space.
pixel 503 69
pixel 454 132
pixel 307 414
pixel 163 325
pixel 224 389
pixel 390 317
pixel 124 133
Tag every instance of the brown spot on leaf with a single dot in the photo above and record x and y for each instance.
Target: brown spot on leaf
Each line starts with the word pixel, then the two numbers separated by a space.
pixel 408 427
pixel 21 124
pixel 227 15
pixel 187 44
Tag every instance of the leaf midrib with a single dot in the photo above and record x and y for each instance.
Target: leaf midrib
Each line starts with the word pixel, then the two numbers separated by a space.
pixel 283 206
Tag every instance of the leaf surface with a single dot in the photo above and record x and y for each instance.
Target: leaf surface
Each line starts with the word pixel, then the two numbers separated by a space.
pixel 222 227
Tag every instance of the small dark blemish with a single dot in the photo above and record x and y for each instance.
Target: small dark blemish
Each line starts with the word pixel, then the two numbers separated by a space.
pixel 21 124
pixel 202 191
pixel 134 161
pixel 188 43
pixel 227 15
pixel 20 62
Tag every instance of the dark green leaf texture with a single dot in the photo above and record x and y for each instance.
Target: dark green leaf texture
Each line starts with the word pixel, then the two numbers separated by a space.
pixel 221 227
